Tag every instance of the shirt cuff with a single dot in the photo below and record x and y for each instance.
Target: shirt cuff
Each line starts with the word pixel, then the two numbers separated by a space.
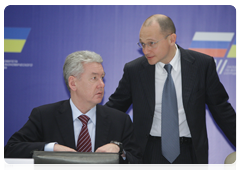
pixel 124 155
pixel 49 146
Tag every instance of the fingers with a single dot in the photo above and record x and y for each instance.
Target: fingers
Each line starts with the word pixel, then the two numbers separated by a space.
pixel 58 148
pixel 112 148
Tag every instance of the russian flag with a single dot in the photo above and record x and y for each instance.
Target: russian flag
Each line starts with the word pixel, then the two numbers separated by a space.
pixel 214 44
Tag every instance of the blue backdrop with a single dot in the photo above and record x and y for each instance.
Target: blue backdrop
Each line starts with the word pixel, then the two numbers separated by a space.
pixel 37 40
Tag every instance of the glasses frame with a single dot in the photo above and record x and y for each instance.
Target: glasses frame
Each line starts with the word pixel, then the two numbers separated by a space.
pixel 149 45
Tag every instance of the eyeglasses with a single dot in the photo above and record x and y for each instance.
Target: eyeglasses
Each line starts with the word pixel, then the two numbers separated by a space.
pixel 150 44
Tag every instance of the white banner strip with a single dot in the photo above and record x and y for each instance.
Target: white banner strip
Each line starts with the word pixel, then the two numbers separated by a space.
pixel 213 36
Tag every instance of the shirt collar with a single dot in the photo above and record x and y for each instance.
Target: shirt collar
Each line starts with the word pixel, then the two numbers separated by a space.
pixel 76 113
pixel 174 62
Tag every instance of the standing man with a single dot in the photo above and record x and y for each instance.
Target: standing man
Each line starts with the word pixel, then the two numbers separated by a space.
pixel 169 88
pixel 80 123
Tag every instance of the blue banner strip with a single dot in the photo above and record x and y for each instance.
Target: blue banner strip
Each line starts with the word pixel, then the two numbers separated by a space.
pixel 16 33
pixel 210 44
pixel 236 40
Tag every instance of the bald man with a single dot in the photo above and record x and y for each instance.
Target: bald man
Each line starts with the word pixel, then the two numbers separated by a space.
pixel 196 83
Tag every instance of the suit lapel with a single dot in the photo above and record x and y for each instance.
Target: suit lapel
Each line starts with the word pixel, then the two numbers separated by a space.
pixel 188 75
pixel 148 83
pixel 65 124
pixel 102 127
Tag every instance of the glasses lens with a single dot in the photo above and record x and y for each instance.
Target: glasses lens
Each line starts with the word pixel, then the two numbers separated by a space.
pixel 139 44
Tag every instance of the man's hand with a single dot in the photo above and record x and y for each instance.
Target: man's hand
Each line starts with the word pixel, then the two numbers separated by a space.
pixel 58 148
pixel 113 148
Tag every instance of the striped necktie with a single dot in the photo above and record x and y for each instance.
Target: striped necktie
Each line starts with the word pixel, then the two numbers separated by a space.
pixel 84 140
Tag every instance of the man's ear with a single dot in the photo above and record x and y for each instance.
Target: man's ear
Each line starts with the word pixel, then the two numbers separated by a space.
pixel 172 39
pixel 72 83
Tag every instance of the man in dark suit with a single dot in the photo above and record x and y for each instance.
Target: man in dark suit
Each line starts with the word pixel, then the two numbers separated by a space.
pixel 57 126
pixel 196 83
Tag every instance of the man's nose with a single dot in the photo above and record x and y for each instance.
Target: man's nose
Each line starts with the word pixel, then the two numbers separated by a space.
pixel 101 83
pixel 146 50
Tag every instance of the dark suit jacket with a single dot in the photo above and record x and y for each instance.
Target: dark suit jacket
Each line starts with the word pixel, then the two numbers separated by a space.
pixel 200 86
pixel 54 123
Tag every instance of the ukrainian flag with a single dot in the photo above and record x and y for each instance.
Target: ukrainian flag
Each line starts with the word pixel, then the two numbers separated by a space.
pixel 15 38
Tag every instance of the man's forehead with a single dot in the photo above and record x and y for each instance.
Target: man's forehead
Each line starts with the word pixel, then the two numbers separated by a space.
pixel 99 73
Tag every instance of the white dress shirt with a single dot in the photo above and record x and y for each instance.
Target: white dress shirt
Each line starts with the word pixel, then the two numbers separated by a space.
pixel 160 78
pixel 77 126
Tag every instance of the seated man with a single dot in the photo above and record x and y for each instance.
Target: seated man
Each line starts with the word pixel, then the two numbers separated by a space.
pixel 79 124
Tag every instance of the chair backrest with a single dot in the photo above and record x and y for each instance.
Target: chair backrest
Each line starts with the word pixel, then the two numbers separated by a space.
pixel 231 162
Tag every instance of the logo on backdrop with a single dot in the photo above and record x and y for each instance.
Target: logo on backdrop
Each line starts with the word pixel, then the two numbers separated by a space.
pixel 14 41
pixel 15 38
pixel 221 46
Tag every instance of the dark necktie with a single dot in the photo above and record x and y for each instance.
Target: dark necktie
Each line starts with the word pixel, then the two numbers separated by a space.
pixel 84 140
pixel 170 125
